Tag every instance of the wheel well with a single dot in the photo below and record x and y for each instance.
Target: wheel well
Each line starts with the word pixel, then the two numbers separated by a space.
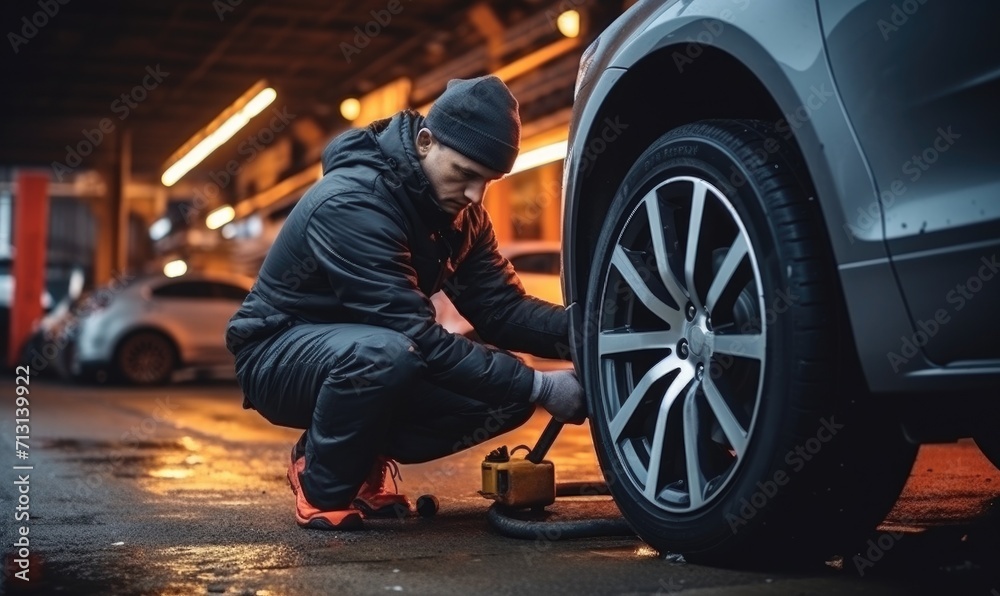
pixel 711 85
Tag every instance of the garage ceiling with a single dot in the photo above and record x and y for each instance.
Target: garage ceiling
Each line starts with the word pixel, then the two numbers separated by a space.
pixel 70 70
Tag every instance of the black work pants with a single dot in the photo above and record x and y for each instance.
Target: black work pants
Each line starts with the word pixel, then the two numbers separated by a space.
pixel 359 392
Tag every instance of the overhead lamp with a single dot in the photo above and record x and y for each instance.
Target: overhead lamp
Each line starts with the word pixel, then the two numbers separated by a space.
pixel 175 268
pixel 220 217
pixel 540 156
pixel 220 130
pixel 350 109
pixel 568 23
pixel 159 229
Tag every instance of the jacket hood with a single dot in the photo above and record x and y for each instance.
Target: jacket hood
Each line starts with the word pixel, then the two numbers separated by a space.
pixel 388 148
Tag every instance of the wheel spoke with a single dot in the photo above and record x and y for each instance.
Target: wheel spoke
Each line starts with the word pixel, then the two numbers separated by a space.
pixel 658 371
pixel 731 427
pixel 733 258
pixel 634 280
pixel 694 233
pixel 660 250
pixel 749 345
pixel 656 450
pixel 695 476
pixel 610 342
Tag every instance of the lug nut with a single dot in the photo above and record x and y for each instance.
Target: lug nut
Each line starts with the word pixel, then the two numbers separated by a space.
pixel 682 348
pixel 690 312
pixel 700 371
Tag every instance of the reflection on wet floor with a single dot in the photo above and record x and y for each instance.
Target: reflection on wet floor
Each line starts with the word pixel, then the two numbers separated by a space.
pixel 200 502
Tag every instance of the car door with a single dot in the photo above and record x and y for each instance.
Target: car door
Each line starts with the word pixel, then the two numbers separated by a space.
pixel 226 300
pixel 197 312
pixel 920 81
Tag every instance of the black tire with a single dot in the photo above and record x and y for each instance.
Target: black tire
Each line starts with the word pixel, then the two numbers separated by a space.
pixel 990 446
pixel 771 345
pixel 145 358
pixel 985 434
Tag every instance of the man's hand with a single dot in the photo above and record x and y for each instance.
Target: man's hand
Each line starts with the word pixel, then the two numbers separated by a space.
pixel 560 393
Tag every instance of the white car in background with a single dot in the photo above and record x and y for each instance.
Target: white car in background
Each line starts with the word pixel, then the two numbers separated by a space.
pixel 537 265
pixel 143 332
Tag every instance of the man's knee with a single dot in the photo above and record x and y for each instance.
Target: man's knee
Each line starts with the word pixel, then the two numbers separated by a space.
pixel 385 359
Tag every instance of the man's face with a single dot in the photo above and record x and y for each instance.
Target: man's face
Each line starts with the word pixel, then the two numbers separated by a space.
pixel 456 180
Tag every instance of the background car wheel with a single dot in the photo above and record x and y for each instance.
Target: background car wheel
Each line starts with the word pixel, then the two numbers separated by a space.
pixel 726 416
pixel 146 358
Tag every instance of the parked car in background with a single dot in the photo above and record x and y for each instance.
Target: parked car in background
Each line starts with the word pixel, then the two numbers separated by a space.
pixel 537 265
pixel 142 332
pixel 780 240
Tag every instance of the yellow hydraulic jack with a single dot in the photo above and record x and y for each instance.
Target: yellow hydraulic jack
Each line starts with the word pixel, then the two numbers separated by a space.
pixel 522 483
pixel 531 483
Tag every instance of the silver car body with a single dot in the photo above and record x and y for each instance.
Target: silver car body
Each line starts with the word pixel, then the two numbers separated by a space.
pixel 901 147
pixel 537 265
pixel 195 325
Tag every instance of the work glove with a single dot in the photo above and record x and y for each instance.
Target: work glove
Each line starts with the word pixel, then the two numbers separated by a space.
pixel 561 394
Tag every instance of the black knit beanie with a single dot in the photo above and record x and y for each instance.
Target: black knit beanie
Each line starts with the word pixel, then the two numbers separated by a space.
pixel 478 118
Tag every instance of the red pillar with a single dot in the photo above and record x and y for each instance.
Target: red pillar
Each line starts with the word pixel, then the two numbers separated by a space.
pixel 31 226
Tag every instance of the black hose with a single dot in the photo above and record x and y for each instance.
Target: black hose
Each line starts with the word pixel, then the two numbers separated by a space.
pixel 561 530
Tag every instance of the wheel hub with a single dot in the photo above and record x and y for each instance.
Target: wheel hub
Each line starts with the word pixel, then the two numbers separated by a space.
pixel 699 340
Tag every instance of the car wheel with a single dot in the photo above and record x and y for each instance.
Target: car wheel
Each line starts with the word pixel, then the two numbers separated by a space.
pixel 712 353
pixel 146 358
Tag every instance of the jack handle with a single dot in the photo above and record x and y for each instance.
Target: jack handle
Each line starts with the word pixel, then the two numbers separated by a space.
pixel 545 441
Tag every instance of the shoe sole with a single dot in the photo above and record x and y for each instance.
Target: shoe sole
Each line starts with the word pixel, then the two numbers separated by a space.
pixel 397 510
pixel 351 522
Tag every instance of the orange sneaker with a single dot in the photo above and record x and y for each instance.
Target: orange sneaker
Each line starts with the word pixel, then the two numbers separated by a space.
pixel 374 500
pixel 308 516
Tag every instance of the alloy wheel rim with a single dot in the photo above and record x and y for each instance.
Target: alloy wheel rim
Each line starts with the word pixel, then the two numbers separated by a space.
pixel 681 344
pixel 146 358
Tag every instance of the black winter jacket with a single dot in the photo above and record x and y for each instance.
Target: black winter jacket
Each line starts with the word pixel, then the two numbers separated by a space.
pixel 368 244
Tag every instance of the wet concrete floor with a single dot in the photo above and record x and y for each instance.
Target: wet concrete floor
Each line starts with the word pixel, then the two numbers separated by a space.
pixel 178 490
